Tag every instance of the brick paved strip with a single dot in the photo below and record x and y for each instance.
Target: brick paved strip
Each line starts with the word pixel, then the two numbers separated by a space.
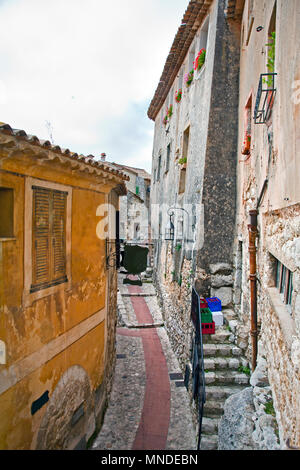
pixel 154 425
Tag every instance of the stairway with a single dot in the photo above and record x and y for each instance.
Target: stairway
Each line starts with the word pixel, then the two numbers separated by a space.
pixel 222 359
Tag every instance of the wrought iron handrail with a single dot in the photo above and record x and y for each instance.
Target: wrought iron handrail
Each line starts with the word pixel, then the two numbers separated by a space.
pixel 198 360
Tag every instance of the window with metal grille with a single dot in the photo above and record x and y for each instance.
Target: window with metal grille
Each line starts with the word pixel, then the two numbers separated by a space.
pixel 48 238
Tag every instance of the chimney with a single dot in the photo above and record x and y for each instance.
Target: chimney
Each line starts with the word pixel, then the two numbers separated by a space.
pixel 103 156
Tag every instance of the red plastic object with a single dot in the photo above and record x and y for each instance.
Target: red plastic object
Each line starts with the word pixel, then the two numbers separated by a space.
pixel 208 328
pixel 203 303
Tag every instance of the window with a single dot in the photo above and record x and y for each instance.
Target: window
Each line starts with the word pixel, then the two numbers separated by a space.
pixel 185 149
pixel 250 21
pixel 6 212
pixel 168 158
pixel 48 238
pixel 180 79
pixel 284 282
pixel 158 168
pixel 191 57
pixel 186 139
pixel 247 127
pixel 202 41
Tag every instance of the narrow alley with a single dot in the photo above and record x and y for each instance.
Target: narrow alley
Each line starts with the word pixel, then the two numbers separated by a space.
pixel 149 404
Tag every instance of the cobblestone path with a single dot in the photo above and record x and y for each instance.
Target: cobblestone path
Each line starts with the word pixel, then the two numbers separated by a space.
pixel 149 405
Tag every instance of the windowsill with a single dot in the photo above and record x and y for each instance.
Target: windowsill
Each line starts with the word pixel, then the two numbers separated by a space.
pixel 30 297
pixel 8 239
pixel 199 72
pixel 283 314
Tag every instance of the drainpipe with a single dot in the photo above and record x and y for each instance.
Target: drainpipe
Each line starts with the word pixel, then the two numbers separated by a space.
pixel 252 229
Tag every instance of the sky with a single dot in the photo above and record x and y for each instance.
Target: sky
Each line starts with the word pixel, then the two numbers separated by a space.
pixel 83 74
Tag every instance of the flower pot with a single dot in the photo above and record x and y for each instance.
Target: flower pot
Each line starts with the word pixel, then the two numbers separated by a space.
pixel 246 146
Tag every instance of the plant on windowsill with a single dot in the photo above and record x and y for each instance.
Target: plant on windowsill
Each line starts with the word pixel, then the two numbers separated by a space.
pixel 271 67
pixel 178 95
pixel 169 112
pixel 188 78
pixel 182 161
pixel 200 59
pixel 246 144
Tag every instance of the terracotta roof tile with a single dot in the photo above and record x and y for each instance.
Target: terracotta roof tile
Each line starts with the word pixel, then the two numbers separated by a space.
pixel 190 23
pixel 88 160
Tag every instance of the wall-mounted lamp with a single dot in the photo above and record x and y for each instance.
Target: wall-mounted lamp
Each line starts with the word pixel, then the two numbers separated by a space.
pixel 169 232
pixel 170 229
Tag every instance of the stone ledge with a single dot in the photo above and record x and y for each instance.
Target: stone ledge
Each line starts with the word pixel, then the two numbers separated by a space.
pixel 286 322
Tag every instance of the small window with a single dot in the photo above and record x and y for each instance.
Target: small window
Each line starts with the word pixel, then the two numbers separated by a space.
pixel 168 158
pixel 158 168
pixel 6 212
pixel 202 41
pixel 246 147
pixel 48 238
pixel 154 175
pixel 186 139
pixel 284 282
pixel 182 178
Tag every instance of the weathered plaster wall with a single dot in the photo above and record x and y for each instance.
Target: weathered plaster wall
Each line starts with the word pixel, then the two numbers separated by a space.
pixel 209 197
pixel 69 333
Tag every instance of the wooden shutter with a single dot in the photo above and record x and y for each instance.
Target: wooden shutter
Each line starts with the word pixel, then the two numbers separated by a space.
pixel 40 237
pixel 48 238
pixel 59 200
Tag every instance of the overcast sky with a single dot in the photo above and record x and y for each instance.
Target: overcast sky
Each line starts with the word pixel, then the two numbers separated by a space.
pixel 84 72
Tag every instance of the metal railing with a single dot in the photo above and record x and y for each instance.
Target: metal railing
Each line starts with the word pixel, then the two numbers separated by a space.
pixel 264 98
pixel 198 374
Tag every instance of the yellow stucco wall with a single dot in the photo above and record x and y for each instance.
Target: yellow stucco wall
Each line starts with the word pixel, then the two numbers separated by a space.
pixel 60 330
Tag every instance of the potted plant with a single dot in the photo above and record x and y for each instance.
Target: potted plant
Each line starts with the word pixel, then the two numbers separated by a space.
pixel 170 111
pixel 165 120
pixel 178 95
pixel 271 68
pixel 188 78
pixel 246 144
pixel 200 59
pixel 182 161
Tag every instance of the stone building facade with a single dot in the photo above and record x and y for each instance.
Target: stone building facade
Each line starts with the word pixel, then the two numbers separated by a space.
pixel 57 296
pixel 267 175
pixel 225 150
pixel 194 167
pixel 135 206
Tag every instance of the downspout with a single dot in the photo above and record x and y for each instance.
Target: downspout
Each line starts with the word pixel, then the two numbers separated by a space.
pixel 252 229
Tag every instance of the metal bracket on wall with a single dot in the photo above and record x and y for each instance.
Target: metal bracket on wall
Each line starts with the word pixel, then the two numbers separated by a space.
pixel 111 257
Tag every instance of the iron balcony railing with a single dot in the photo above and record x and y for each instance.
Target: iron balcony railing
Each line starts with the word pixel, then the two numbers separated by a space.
pixel 198 361
pixel 264 98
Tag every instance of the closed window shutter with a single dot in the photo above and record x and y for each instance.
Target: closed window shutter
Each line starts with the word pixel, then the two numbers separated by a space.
pixel 59 200
pixel 48 238
pixel 41 237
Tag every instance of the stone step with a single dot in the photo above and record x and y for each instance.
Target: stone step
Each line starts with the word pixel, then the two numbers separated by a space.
pixel 209 442
pixel 220 363
pixel 222 335
pixel 224 350
pixel 213 408
pixel 210 425
pixel 214 392
pixel 226 377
